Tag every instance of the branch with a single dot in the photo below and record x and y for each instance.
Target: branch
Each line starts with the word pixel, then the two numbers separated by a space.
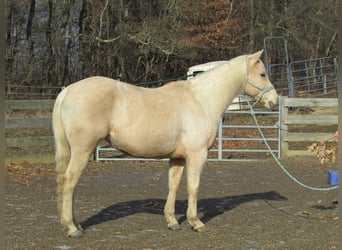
pixel 101 17
pixel 147 40
pixel 107 40
pixel 331 43
pixel 230 10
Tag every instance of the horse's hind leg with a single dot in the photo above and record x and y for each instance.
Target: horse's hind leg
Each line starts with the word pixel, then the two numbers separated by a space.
pixel 77 164
pixel 175 174
pixel 62 161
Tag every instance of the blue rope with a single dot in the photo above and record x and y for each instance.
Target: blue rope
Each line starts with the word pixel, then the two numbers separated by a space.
pixel 279 163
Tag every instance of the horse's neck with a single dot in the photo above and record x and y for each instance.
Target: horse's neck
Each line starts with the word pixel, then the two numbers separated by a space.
pixel 217 88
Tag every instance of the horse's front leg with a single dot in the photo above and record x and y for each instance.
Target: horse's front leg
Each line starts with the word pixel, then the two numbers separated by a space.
pixel 195 163
pixel 175 174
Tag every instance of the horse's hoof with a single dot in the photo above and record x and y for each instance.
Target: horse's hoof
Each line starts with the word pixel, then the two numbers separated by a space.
pixel 174 227
pixel 76 233
pixel 201 229
pixel 80 228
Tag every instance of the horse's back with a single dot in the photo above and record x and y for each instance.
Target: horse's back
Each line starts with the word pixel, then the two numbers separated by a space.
pixel 93 88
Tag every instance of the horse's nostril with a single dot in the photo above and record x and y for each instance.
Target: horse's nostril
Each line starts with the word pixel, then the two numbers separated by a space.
pixel 271 104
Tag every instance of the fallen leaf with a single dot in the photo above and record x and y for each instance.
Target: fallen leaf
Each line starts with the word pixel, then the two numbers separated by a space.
pixel 306 212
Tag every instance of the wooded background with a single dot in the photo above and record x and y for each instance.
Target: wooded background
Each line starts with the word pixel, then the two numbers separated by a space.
pixel 54 43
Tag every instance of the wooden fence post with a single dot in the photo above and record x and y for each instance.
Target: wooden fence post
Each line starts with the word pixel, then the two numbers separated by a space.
pixel 284 145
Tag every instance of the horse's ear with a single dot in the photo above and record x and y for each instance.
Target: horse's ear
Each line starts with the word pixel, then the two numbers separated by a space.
pixel 255 57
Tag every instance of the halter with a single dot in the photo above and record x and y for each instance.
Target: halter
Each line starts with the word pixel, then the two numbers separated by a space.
pixel 263 91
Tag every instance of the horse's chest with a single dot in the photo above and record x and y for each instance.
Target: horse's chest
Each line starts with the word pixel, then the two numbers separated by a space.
pixel 199 132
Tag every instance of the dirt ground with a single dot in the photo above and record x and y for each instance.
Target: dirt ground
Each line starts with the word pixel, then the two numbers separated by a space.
pixel 245 205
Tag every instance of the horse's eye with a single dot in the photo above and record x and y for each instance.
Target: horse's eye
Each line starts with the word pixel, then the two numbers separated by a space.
pixel 262 74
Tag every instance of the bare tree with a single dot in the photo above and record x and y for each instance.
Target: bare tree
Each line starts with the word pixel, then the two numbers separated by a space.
pixel 54 43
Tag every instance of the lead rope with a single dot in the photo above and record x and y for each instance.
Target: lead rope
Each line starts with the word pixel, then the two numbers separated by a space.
pixel 277 160
pixel 265 141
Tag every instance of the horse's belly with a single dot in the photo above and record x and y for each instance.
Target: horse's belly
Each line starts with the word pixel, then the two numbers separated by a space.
pixel 144 145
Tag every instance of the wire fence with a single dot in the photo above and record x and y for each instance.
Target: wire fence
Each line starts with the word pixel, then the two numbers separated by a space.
pixel 307 78
pixel 31 92
pixel 41 92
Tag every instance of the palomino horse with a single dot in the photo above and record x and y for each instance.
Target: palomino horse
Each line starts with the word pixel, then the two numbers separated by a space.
pixel 178 120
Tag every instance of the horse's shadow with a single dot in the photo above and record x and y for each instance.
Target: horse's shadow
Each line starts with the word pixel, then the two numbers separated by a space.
pixel 209 207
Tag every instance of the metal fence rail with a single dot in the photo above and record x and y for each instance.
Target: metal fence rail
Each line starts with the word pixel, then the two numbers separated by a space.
pixel 279 75
pixel 315 77
pixel 306 78
pixel 274 127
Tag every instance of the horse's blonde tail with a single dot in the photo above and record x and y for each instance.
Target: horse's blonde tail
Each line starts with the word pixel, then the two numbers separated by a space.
pixel 62 148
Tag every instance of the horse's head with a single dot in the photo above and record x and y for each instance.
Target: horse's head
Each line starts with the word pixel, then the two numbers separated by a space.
pixel 257 84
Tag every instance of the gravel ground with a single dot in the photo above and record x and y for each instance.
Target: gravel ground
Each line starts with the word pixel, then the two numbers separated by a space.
pixel 245 205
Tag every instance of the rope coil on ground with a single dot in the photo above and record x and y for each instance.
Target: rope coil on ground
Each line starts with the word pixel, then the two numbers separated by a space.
pixel 279 163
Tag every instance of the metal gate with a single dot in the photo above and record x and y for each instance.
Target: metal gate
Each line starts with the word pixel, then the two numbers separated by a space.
pixel 315 77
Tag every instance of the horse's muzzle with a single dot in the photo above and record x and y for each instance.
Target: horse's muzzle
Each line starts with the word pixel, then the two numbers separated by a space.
pixel 271 105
